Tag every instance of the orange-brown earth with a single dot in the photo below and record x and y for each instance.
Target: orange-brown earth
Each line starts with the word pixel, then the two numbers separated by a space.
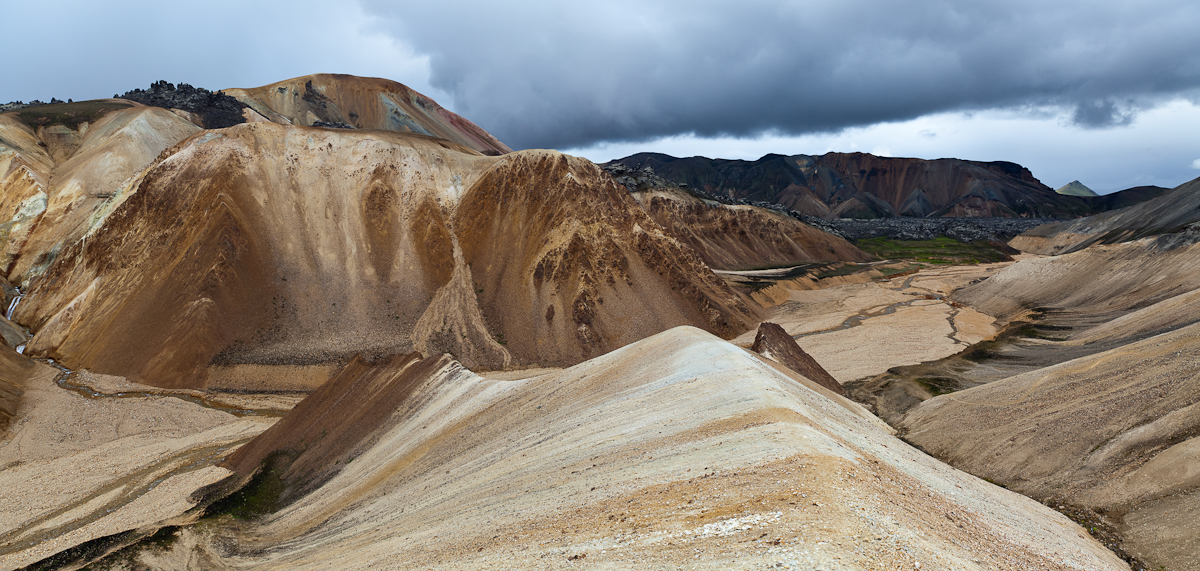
pixel 365 103
pixel 735 237
pixel 266 243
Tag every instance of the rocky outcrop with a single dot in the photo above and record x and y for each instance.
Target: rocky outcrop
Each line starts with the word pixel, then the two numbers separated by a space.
pixel 859 185
pixel 216 110
pixel 775 344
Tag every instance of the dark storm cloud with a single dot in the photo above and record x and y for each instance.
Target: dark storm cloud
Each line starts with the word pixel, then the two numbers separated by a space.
pixel 551 74
pixel 1101 114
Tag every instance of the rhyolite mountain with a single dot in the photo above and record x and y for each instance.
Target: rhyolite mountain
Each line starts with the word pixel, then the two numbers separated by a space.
pixel 860 185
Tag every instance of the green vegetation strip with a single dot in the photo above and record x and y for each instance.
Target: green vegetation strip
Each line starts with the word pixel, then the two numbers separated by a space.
pixel 68 114
pixel 940 250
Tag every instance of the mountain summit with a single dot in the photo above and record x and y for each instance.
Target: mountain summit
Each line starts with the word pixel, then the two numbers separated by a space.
pixel 1075 188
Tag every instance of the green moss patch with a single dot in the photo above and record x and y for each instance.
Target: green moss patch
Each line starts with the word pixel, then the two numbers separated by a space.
pixel 68 114
pixel 940 250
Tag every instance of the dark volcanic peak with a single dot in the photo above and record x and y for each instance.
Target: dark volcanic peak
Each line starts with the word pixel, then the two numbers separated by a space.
pixel 860 185
pixel 215 109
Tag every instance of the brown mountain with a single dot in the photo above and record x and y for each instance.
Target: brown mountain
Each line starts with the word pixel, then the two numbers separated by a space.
pixel 363 103
pixel 860 185
pixel 265 243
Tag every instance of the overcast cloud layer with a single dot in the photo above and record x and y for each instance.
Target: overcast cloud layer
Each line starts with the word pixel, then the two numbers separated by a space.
pixel 619 74
pixel 565 74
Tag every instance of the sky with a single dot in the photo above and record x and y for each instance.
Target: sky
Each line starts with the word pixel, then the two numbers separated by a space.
pixel 1101 91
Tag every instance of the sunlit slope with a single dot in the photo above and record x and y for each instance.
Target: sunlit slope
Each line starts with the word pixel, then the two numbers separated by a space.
pixel 1114 432
pixel 681 449
pixel 274 244
pixel 365 103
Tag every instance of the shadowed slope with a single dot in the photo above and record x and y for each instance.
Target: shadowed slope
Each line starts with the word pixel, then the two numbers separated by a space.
pixel 1171 212
pixel 731 237
pixel 339 420
pixel 365 103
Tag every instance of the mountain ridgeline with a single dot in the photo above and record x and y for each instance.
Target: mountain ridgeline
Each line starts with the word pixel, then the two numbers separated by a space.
pixel 860 185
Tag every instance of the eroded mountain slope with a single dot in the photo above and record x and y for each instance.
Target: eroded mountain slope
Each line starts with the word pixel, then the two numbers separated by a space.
pixel 266 243
pixel 364 103
pixel 734 237
pixel 680 449
pixel 59 180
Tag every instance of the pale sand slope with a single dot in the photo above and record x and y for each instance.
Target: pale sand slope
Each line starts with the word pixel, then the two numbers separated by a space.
pixel 1114 432
pixel 1104 279
pixel 861 330
pixel 77 468
pixel 680 450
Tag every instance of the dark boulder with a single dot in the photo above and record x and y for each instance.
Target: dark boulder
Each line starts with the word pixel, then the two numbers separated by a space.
pixel 775 344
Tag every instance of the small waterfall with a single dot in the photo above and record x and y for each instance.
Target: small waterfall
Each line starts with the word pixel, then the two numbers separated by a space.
pixel 13 306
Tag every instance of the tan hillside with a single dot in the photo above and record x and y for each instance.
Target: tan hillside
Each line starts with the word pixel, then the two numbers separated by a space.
pixel 1114 432
pixel 365 103
pixel 595 466
pixel 273 244
pixel 58 181
pixel 1107 280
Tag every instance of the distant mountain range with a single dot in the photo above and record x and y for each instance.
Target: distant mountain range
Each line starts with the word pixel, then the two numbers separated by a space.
pixel 860 185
